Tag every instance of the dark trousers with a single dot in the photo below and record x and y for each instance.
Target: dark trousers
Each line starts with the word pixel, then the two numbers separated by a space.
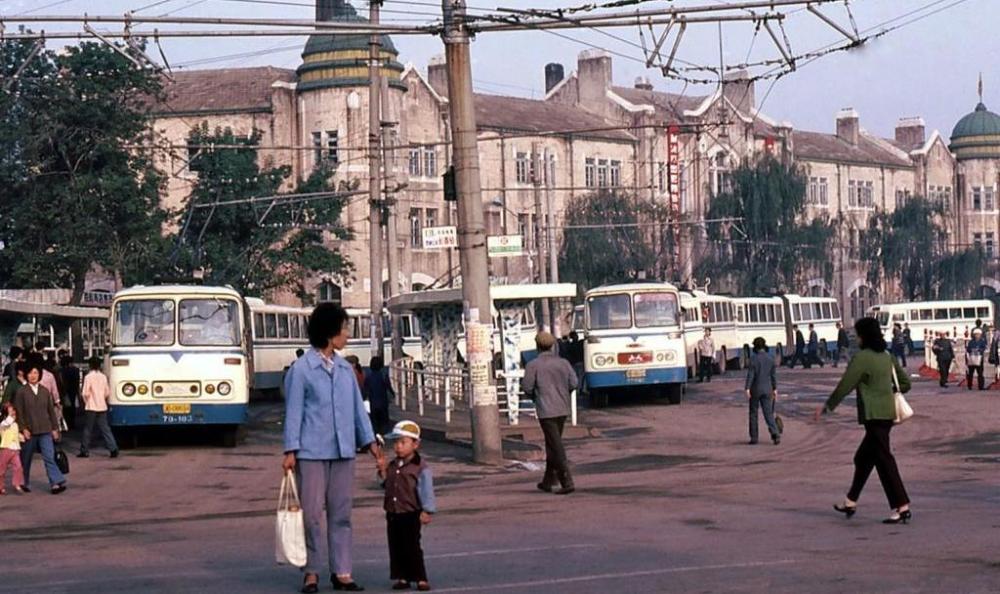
pixel 705 368
pixel 900 354
pixel 944 368
pixel 380 419
pixel 101 419
pixel 766 403
pixel 836 355
pixel 973 370
pixel 875 452
pixel 812 357
pixel 556 466
pixel 406 558
pixel 799 355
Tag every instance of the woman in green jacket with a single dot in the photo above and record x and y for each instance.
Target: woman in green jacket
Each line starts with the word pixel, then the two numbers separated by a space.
pixel 870 372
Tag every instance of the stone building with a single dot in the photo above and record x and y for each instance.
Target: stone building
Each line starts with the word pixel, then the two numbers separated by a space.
pixel 588 133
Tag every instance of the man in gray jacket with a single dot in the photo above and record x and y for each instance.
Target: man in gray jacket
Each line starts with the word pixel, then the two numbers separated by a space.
pixel 549 380
pixel 762 389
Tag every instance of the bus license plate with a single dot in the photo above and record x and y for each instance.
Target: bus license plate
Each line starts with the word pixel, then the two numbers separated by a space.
pixel 635 373
pixel 177 408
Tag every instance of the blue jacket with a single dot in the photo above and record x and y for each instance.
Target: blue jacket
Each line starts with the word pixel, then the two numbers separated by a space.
pixel 325 416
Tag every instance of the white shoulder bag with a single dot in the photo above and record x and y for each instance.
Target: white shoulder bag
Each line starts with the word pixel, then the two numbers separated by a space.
pixel 290 529
pixel 903 409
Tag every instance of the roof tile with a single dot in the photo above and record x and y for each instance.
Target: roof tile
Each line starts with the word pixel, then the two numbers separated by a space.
pixel 222 90
pixel 496 112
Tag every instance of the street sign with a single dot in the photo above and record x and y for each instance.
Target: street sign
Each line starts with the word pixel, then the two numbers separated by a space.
pixel 505 246
pixel 440 238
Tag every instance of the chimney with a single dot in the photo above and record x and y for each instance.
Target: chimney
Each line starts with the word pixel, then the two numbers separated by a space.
pixel 848 128
pixel 437 75
pixel 910 132
pixel 593 76
pixel 332 10
pixel 642 83
pixel 738 88
pixel 554 74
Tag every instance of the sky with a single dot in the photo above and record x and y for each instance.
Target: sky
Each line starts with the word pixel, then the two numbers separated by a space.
pixel 928 68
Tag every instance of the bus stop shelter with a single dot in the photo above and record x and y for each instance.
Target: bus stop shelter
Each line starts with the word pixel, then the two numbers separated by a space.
pixel 56 322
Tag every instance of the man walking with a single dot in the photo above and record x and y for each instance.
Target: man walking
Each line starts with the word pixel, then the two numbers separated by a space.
pixel 975 351
pixel 762 390
pixel 549 380
pixel 944 352
pixel 813 356
pixel 96 393
pixel 800 349
pixel 899 345
pixel 907 339
pixel 706 356
pixel 843 343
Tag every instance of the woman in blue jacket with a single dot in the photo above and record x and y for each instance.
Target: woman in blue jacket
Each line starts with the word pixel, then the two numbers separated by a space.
pixel 325 424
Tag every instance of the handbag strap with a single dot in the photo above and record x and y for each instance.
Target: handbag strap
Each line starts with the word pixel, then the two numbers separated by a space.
pixel 289 493
pixel 895 378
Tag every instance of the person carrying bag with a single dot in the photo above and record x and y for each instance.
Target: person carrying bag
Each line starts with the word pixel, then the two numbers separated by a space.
pixel 290 528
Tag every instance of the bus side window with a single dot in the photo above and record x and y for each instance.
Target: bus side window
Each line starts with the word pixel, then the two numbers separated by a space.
pixel 827 311
pixel 271 325
pixel 914 314
pixel 969 313
pixel 955 313
pixel 983 313
pixel 365 324
pixel 940 314
pixel 295 332
pixel 258 325
pixel 282 325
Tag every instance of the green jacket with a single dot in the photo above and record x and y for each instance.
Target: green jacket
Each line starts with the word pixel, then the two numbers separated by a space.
pixel 871 374
pixel 8 393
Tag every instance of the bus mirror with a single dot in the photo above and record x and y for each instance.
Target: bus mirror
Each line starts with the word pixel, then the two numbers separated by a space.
pixel 593 340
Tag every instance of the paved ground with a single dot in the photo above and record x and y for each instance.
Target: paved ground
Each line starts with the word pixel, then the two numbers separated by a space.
pixel 671 499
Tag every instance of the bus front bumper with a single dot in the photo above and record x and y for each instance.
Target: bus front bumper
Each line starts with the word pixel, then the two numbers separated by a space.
pixel 137 415
pixel 632 377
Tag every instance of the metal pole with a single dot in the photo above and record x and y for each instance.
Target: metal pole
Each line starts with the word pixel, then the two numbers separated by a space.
pixel 550 239
pixel 536 182
pixel 392 237
pixel 375 183
pixel 486 445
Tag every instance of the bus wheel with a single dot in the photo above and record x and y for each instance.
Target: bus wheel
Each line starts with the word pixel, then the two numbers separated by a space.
pixel 598 398
pixel 673 392
pixel 230 436
pixel 745 357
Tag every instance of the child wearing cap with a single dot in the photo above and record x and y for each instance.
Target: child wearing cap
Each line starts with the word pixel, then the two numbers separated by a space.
pixel 409 503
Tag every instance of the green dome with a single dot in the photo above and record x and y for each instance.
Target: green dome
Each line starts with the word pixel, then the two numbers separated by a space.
pixel 977 135
pixel 341 60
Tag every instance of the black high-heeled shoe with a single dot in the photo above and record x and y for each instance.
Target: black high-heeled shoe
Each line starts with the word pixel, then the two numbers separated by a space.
pixel 902 517
pixel 350 586
pixel 310 588
pixel 847 510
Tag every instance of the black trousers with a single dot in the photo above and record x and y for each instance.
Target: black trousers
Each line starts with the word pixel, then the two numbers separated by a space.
pixel 556 465
pixel 875 452
pixel 799 355
pixel 973 370
pixel 705 367
pixel 944 368
pixel 406 558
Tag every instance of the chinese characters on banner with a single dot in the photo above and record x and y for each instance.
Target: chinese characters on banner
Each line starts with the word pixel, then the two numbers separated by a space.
pixel 674 191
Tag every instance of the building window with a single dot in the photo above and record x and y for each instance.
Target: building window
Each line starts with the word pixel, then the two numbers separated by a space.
pixel 977 198
pixel 900 199
pixel 823 193
pixel 524 230
pixel 990 245
pixel 521 168
pixel 720 174
pixel 868 196
pixel 332 150
pixel 862 298
pixel 430 162
pixel 602 173
pixel 852 194
pixel 414 167
pixel 416 233
pixel 317 138
pixel 812 194
pixel 989 201
pixel 550 170
pixel 327 291
pixel 977 241
pixel 616 174
pixel 589 173
pixel 661 176
pixel 947 197
pixel 430 217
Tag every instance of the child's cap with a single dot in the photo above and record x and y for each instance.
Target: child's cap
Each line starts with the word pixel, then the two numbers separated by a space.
pixel 405 429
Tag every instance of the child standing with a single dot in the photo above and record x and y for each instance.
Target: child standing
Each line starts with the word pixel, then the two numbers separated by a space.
pixel 409 503
pixel 10 448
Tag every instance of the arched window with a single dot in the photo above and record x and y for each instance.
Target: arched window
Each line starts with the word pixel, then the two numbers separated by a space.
pixel 328 291
pixel 862 298
pixel 819 291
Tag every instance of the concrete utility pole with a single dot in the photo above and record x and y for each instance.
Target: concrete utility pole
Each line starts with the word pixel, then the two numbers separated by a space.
pixel 536 182
pixel 550 239
pixel 375 181
pixel 392 237
pixel 486 444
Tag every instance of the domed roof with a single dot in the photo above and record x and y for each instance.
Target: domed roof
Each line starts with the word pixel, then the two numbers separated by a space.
pixel 341 60
pixel 977 135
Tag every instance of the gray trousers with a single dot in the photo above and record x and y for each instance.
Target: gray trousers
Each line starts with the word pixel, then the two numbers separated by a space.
pixel 327 484
pixel 101 419
pixel 766 403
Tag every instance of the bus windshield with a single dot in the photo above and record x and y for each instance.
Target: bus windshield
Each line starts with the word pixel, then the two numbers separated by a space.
pixel 883 318
pixel 655 309
pixel 610 312
pixel 144 322
pixel 214 322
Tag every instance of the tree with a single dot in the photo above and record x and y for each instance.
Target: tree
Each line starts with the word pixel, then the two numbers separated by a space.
pixel 908 244
pixel 604 240
pixel 766 244
pixel 75 195
pixel 240 231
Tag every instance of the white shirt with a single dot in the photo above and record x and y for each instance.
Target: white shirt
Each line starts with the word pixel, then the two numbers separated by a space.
pixel 96 392
pixel 706 347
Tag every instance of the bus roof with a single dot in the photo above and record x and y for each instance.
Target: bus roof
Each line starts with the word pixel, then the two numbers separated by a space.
pixel 625 287
pixel 795 298
pixel 173 290
pixel 757 300
pixel 438 297
pixel 926 304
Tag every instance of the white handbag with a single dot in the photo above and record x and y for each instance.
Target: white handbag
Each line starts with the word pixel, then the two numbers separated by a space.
pixel 903 409
pixel 290 528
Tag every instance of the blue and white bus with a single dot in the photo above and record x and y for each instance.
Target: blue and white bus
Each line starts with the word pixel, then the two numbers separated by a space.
pixel 180 355
pixel 955 318
pixel 634 338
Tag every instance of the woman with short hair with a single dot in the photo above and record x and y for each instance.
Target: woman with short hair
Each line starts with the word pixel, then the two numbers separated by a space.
pixel 39 423
pixel 870 372
pixel 325 424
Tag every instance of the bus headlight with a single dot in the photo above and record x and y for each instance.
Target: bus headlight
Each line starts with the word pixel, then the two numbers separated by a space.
pixel 209 389
pixel 225 388
pixel 128 390
pixel 601 360
pixel 660 357
pixel 143 389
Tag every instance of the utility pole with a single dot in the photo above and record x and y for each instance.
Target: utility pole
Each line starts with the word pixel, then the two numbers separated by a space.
pixel 536 182
pixel 392 238
pixel 486 444
pixel 550 239
pixel 375 182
